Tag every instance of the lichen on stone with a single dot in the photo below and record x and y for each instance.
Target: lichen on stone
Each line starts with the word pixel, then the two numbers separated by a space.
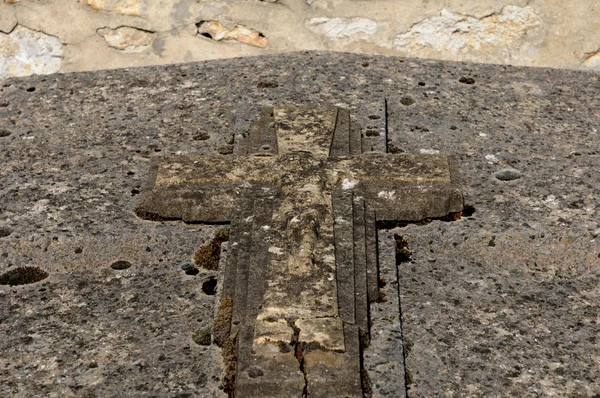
pixel 202 336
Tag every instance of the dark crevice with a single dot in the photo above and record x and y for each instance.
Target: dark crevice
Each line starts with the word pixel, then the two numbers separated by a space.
pixel 299 353
pixel 126 26
pixel 468 211
pixel 402 256
pixel 390 224
pixel 365 381
pixel 149 216
pixel 387 119
pixel 209 286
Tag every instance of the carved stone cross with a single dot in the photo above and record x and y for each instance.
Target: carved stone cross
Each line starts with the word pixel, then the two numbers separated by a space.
pixel 303 201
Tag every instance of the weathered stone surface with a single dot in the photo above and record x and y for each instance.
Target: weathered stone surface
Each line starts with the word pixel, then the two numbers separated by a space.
pixel 516 32
pixel 95 4
pixel 516 317
pixel 8 19
pixel 215 30
pixel 24 52
pixel 129 7
pixel 127 39
pixel 341 28
pixel 125 7
pixel 592 61
pixel 455 33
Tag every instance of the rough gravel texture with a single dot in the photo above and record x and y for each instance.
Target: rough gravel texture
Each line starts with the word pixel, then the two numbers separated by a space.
pixel 505 302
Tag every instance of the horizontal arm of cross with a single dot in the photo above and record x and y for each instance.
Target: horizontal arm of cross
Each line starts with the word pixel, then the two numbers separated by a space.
pixel 398 187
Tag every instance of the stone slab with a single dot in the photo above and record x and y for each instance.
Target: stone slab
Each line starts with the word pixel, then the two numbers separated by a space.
pixel 484 304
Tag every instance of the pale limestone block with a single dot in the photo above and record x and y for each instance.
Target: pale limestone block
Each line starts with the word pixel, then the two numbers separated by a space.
pixel 24 52
pixel 127 39
pixel 451 32
pixel 340 28
pixel 8 19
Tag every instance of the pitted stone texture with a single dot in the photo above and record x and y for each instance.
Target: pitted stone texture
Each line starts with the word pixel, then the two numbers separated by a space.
pixel 66 174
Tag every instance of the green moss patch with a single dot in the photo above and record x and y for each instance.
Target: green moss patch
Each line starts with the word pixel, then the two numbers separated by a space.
pixel 209 254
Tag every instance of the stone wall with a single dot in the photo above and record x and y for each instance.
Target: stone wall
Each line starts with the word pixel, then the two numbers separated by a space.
pixel 46 36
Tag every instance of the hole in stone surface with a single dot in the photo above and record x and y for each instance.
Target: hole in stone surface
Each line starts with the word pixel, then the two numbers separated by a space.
pixel 120 265
pixel 210 286
pixel 421 84
pixel 365 64
pixel 467 80
pixel 4 133
pixel 468 211
pixel 5 231
pixel 205 34
pixel 23 276
pixel 192 271
pixel 31 89
pixel 374 117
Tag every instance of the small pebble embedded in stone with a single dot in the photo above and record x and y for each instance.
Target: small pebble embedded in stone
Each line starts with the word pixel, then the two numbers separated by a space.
pixel 508 174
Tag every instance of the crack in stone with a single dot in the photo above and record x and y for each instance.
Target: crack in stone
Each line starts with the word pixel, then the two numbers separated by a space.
pixel 299 354
pixel 403 256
